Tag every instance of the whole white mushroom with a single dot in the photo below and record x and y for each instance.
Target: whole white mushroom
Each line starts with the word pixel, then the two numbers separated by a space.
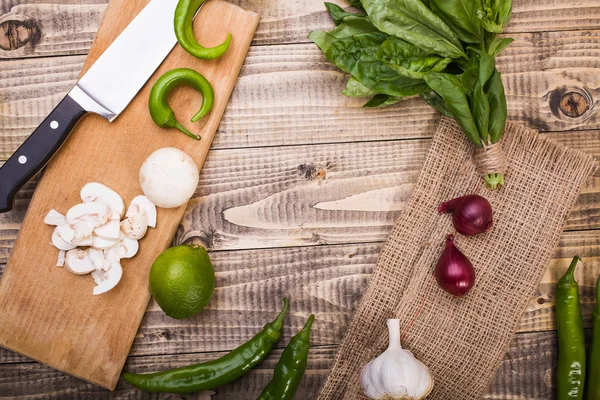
pixel 169 177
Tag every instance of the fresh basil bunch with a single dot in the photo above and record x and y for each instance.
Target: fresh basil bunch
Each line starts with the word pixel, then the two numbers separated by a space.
pixel 442 50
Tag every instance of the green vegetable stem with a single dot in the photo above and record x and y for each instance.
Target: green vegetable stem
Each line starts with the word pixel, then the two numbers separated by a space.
pixel 217 372
pixel 162 114
pixel 593 374
pixel 442 50
pixel 290 368
pixel 184 31
pixel 570 373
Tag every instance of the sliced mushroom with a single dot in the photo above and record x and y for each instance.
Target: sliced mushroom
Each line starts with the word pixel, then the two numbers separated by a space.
pixel 101 243
pixel 94 213
pixel 78 262
pixel 55 218
pixel 111 278
pixel 135 227
pixel 97 257
pixel 99 276
pixel 110 230
pixel 97 192
pixel 60 262
pixel 59 242
pixel 126 248
pixel 82 237
pixel 142 203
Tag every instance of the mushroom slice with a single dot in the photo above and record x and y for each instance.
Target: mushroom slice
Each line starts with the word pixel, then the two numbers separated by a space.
pixel 126 248
pixel 55 218
pixel 78 236
pixel 78 262
pixel 135 227
pixel 94 213
pixel 97 257
pixel 110 230
pixel 101 243
pixel 60 262
pixel 110 278
pixel 59 242
pixel 142 203
pixel 99 276
pixel 97 192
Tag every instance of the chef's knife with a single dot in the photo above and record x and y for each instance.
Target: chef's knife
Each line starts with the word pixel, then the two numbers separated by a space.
pixel 106 89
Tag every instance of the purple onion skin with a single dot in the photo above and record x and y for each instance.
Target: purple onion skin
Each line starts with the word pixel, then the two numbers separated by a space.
pixel 471 214
pixel 453 271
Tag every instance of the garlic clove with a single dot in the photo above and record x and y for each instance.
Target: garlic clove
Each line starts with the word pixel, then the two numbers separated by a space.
pixel 59 242
pixel 97 192
pixel 78 262
pixel 110 230
pixel 142 203
pixel 112 277
pixel 55 218
pixel 135 227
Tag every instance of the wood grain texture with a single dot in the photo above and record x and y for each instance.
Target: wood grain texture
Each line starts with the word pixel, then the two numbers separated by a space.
pixel 290 94
pixel 327 281
pixel 90 336
pixel 62 27
pixel 526 373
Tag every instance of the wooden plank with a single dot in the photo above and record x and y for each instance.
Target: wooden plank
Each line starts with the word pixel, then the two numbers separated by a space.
pixel 325 280
pixel 290 94
pixel 527 372
pixel 90 336
pixel 61 27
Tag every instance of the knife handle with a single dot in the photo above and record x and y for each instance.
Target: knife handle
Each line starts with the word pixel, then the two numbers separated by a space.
pixel 37 150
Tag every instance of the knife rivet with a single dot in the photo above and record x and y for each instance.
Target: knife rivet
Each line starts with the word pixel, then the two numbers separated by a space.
pixel 22 159
pixel 53 124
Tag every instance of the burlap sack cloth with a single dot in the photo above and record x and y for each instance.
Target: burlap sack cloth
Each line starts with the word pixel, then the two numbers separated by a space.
pixel 462 341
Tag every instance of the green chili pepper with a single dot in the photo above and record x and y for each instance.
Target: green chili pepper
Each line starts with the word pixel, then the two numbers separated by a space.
pixel 593 378
pixel 162 114
pixel 217 372
pixel 571 343
pixel 290 368
pixel 184 30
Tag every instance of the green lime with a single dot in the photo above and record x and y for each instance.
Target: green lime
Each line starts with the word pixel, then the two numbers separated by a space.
pixel 182 280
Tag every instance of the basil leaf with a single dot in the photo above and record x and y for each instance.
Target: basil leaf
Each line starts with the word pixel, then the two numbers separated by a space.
pixel 481 111
pixel 487 63
pixel 499 44
pixel 357 55
pixel 381 100
pixel 435 101
pixel 494 90
pixel 338 13
pixel 504 11
pixel 412 21
pixel 356 89
pixel 461 16
pixel 449 88
pixel 409 60
pixel 468 79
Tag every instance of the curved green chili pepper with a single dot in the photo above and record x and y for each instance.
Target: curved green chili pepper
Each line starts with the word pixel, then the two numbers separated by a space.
pixel 290 368
pixel 217 372
pixel 162 114
pixel 593 378
pixel 184 30
pixel 570 374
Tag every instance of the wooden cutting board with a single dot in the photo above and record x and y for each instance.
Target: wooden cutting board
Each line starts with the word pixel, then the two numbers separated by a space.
pixel 46 312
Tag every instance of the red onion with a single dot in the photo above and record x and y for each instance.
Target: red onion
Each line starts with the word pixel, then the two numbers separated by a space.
pixel 453 271
pixel 471 214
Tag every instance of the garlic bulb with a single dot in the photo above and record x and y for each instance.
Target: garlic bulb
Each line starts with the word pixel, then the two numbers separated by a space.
pixel 396 373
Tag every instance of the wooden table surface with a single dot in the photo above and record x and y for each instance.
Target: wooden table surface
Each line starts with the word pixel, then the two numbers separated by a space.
pixel 302 186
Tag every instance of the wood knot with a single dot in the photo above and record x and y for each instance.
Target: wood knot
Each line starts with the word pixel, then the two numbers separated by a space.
pixel 18 32
pixel 311 171
pixel 570 102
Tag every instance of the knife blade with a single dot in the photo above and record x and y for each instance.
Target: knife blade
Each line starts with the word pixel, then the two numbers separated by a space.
pixel 105 89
